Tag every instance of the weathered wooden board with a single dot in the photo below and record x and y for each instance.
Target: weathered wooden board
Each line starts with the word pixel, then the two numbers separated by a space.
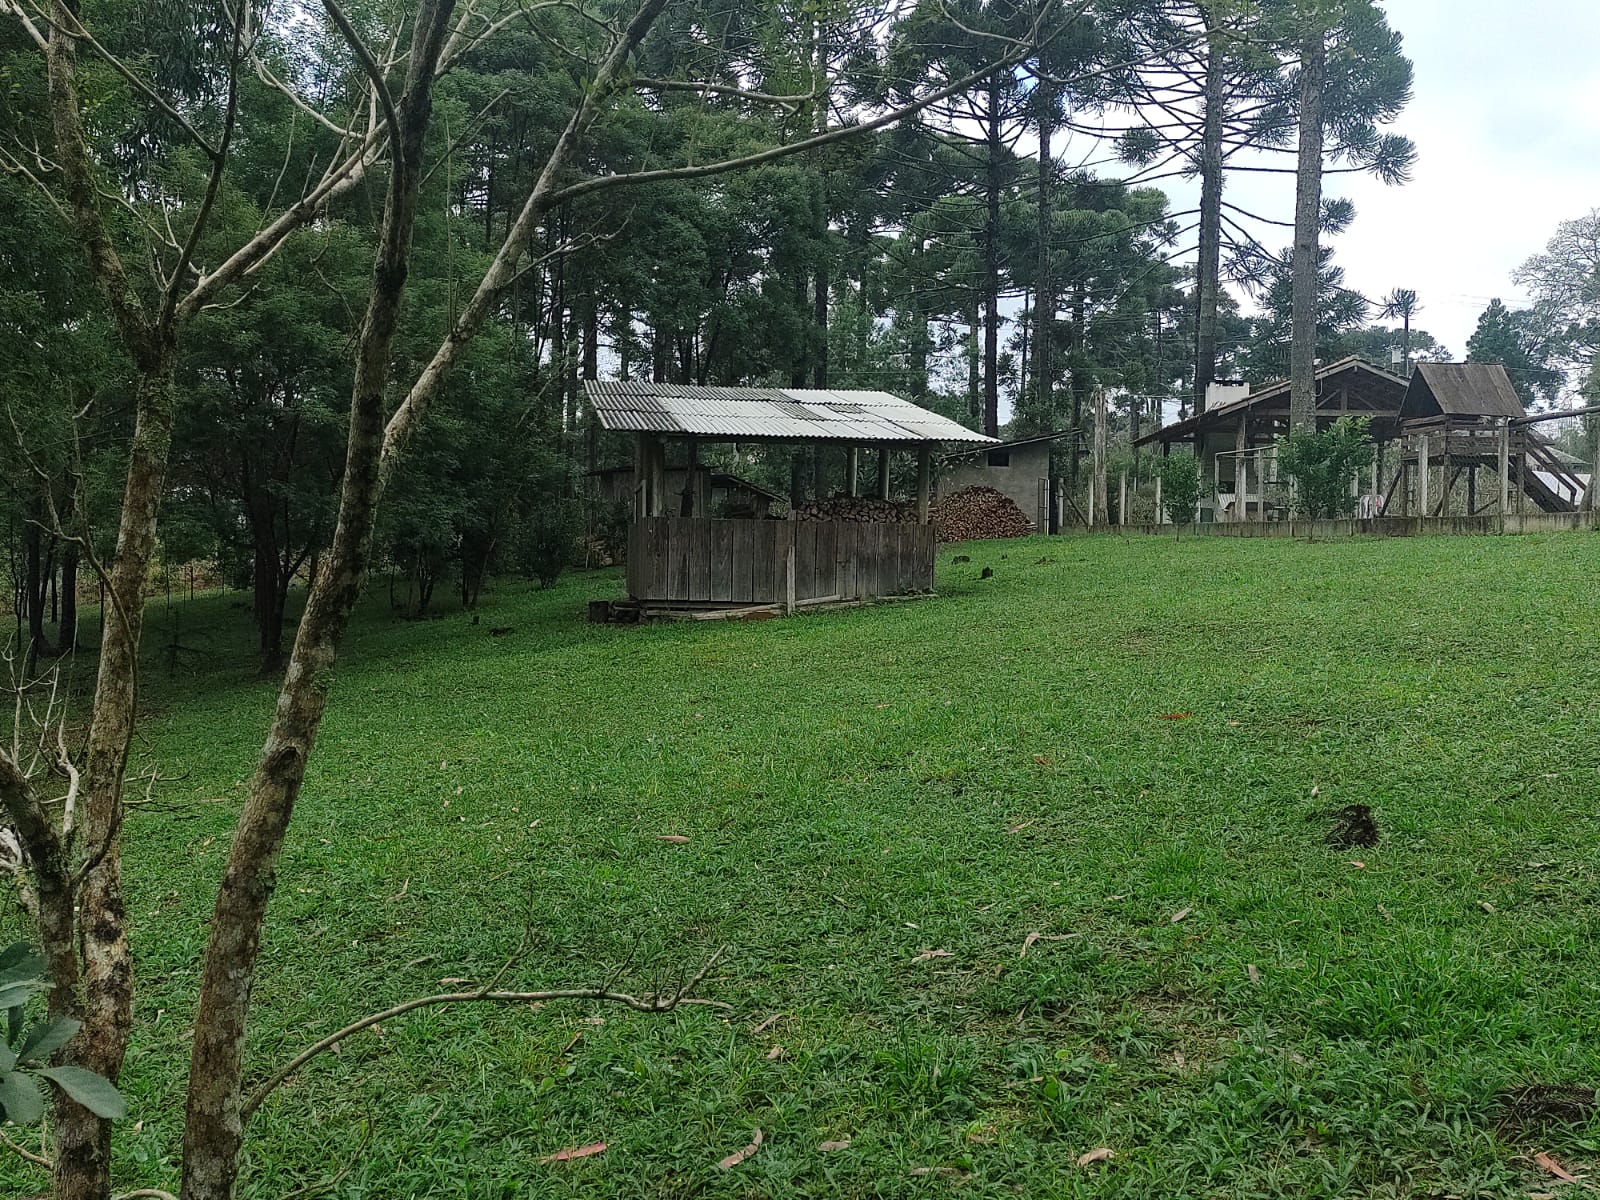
pixel 698 561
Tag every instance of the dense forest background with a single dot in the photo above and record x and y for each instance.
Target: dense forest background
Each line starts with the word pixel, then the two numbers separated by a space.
pixel 997 255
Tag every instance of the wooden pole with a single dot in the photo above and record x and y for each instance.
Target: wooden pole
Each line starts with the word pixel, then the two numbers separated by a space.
pixel 883 473
pixel 1102 498
pixel 924 484
pixel 1445 480
pixel 1424 462
pixel 1122 501
pixel 1377 474
pixel 1161 514
pixel 852 472
pixel 1505 473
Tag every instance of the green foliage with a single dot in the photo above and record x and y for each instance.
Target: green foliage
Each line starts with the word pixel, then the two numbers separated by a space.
pixel 1325 465
pixel 1180 487
pixel 25 1050
pixel 548 542
pixel 1512 338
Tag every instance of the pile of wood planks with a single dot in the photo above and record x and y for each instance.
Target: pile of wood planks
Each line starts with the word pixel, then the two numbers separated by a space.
pixel 861 509
pixel 978 512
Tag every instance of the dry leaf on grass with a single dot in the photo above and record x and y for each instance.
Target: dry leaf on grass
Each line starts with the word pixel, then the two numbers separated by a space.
pixel 1551 1167
pixel 767 1024
pixel 1102 1154
pixel 1042 759
pixel 738 1156
pixel 572 1152
pixel 1486 906
pixel 1027 943
pixel 920 1172
pixel 676 839
pixel 1176 716
pixel 776 1053
pixel 829 1147
pixel 1250 970
pixel 1180 915
pixel 927 954
pixel 1019 828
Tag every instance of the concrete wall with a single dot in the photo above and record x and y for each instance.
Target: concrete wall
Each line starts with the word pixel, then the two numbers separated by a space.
pixel 1372 526
pixel 1020 479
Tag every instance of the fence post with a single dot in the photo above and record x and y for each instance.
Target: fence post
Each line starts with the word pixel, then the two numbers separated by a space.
pixel 1424 464
pixel 1505 471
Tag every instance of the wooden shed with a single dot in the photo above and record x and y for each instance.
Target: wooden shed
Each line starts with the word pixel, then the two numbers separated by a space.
pixel 684 561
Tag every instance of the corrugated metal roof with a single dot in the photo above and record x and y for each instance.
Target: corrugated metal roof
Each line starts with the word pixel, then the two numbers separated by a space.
pixel 771 414
pixel 1461 390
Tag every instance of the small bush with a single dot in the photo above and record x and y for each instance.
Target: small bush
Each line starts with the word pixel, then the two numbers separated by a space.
pixel 1324 466
pixel 549 542
pixel 1180 488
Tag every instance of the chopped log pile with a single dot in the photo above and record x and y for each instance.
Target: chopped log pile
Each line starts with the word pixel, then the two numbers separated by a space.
pixel 979 512
pixel 861 509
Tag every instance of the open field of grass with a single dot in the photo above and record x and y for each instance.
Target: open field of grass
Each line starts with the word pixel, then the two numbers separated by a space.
pixel 1127 747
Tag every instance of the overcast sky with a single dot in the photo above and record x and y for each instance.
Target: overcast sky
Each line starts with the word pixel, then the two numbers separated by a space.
pixel 1506 118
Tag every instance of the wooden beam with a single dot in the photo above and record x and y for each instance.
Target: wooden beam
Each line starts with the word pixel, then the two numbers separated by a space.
pixel 924 484
pixel 852 471
pixel 883 472
pixel 1505 469
pixel 1424 465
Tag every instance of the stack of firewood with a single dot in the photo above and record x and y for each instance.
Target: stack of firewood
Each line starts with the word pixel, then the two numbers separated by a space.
pixel 861 509
pixel 979 512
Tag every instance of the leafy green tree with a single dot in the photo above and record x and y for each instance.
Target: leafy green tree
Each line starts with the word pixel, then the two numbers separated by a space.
pixel 1325 464
pixel 1512 338
pixel 1180 487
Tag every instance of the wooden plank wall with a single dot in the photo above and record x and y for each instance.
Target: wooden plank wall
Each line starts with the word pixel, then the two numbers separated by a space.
pixel 699 561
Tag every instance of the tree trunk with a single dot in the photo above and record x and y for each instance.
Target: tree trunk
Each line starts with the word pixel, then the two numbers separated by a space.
pixel 213 1125
pixel 991 266
pixel 83 1141
pixel 1044 305
pixel 1307 222
pixel 1208 265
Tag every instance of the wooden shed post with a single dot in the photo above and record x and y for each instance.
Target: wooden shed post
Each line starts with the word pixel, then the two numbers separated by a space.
pixel 883 472
pixel 1377 475
pixel 924 484
pixel 1161 515
pixel 852 471
pixel 641 475
pixel 1122 500
pixel 1505 472
pixel 1424 463
pixel 691 491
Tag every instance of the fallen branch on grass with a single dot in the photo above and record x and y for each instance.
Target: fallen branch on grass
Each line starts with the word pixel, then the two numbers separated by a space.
pixel 647 1003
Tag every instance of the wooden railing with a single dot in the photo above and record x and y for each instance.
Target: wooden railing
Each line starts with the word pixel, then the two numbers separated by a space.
pixel 702 562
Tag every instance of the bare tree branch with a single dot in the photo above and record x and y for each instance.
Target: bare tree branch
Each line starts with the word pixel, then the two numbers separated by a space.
pixel 23 1152
pixel 649 1004
pixel 368 64
pixel 169 302
pixel 718 89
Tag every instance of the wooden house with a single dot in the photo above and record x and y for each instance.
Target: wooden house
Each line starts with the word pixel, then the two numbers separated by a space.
pixel 1235 441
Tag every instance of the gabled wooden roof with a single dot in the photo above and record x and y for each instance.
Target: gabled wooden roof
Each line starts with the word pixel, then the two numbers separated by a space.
pixel 1371 389
pixel 1460 390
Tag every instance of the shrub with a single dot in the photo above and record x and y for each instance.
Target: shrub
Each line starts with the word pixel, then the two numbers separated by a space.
pixel 1324 466
pixel 1180 488
pixel 549 542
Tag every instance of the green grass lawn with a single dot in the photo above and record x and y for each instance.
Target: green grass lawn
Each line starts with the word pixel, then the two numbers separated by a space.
pixel 862 787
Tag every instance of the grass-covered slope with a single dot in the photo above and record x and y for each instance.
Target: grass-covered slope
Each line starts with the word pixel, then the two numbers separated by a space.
pixel 1128 748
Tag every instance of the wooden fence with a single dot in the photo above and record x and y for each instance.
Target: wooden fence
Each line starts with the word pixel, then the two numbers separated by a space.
pixel 1490 523
pixel 700 562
